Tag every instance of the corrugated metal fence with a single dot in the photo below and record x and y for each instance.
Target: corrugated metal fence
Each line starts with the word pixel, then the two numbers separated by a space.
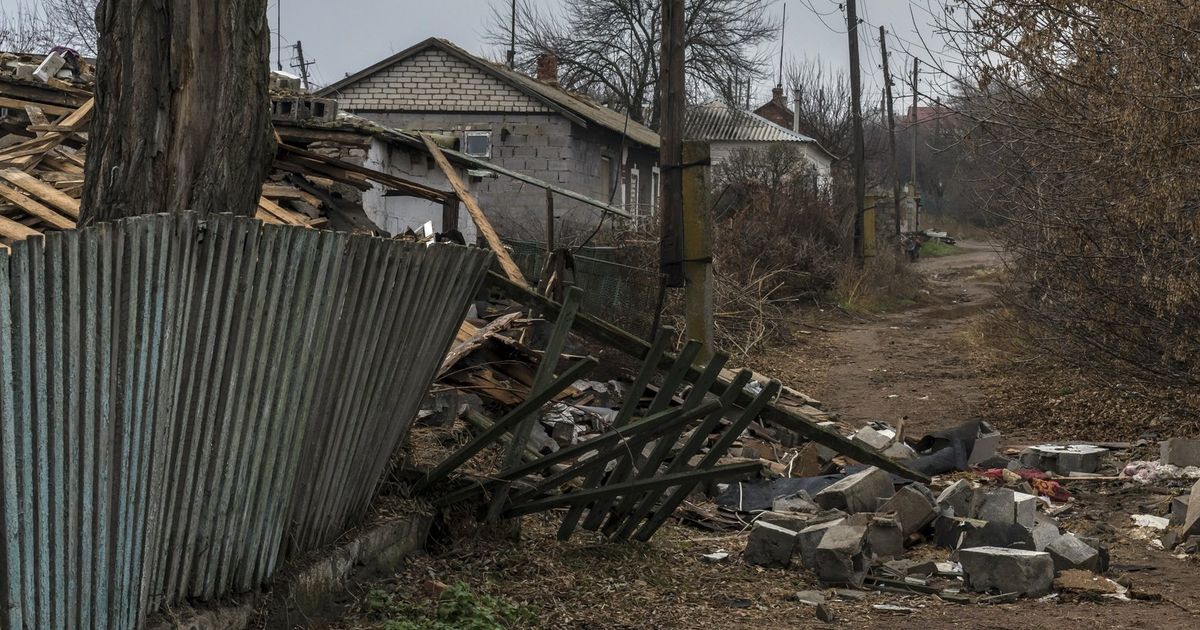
pixel 185 404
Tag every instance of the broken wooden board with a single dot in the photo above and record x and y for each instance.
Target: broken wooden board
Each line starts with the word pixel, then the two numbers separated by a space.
pixel 605 333
pixel 481 221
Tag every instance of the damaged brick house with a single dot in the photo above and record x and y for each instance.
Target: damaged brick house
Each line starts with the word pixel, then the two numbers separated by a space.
pixel 524 124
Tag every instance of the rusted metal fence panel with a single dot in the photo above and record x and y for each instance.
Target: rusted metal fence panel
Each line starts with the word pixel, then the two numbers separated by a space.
pixel 186 404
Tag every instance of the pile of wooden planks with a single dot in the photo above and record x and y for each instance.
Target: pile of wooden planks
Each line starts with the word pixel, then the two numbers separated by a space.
pixel 43 147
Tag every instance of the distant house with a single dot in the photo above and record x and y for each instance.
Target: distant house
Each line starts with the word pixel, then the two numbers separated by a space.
pixel 520 123
pixel 729 130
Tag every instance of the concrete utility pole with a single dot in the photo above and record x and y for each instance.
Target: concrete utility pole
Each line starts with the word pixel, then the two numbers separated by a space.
pixel 889 107
pixel 697 249
pixel 860 175
pixel 671 133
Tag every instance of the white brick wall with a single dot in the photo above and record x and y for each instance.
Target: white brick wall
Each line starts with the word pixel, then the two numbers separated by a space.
pixel 434 81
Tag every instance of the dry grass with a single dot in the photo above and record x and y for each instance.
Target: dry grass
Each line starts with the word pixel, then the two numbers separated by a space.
pixel 884 282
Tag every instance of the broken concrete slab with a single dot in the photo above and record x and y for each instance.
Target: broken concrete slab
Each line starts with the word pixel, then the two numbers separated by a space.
pixel 811 598
pixel 860 492
pixel 1191 521
pixel 770 546
pixel 1025 509
pixel 839 559
pixel 1180 452
pixel 900 451
pixel 1007 570
pixel 948 531
pixel 1179 506
pixel 1068 552
pixel 1064 459
pixel 913 509
pixel 809 539
pixel 1044 532
pixel 871 438
pixel 799 502
pixel 787 520
pixel 1009 535
pixel 885 538
pixel 986 444
pixel 956 499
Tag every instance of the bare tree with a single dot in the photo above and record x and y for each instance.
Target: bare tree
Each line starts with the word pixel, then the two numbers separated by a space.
pixel 33 28
pixel 182 118
pixel 1084 115
pixel 609 49
pixel 824 104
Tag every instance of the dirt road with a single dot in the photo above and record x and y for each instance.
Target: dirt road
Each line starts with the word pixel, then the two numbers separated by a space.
pixel 914 365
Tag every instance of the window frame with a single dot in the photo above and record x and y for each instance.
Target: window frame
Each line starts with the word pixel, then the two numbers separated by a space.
pixel 477 133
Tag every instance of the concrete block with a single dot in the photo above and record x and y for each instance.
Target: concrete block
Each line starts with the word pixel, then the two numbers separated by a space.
pixel 1044 532
pixel 986 444
pixel 885 538
pixel 860 492
pixel 1006 535
pixel 1191 521
pixel 1069 552
pixel 913 509
pixel 770 545
pixel 1007 570
pixel 948 531
pixel 1025 509
pixel 839 559
pixel 1101 549
pixel 994 505
pixel 1179 506
pixel 871 438
pixel 810 537
pixel 1002 505
pixel 799 502
pixel 1064 459
pixel 787 520
pixel 1180 452
pixel 956 499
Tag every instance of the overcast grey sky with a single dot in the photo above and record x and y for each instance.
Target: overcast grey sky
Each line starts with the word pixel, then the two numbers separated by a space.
pixel 344 36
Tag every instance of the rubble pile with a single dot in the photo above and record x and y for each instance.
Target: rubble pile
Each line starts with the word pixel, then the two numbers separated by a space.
pixel 981 533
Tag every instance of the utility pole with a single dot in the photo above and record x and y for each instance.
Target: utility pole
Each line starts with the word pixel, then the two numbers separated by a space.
pixel 278 35
pixel 860 175
pixel 301 64
pixel 891 122
pixel 671 132
pixel 512 38
pixel 782 32
pixel 913 120
pixel 913 124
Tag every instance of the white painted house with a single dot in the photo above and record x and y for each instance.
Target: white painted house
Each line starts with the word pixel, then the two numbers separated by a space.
pixel 729 130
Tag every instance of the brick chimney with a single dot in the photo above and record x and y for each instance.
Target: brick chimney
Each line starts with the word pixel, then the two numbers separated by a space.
pixel 547 68
pixel 777 97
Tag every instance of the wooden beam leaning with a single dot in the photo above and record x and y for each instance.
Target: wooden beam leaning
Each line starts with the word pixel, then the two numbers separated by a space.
pixel 603 332
pixel 535 401
pixel 643 485
pixel 481 221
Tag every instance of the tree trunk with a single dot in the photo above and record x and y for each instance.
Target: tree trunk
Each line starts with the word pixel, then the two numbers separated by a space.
pixel 182 118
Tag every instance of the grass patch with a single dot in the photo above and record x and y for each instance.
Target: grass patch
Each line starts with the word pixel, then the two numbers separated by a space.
pixel 937 249
pixel 883 283
pixel 459 608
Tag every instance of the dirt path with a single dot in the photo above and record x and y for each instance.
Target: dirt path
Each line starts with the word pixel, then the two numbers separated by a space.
pixel 913 365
